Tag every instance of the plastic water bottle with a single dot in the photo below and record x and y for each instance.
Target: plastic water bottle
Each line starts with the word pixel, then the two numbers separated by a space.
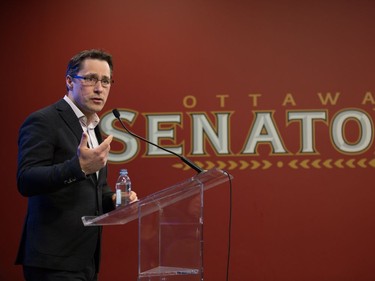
pixel 123 186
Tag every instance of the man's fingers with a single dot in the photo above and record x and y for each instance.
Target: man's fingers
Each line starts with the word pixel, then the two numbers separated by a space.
pixel 133 196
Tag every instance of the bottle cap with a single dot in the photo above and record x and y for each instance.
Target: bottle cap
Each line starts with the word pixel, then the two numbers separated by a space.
pixel 123 171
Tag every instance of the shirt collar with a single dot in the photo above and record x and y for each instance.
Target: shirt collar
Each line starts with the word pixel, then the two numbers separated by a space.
pixel 82 118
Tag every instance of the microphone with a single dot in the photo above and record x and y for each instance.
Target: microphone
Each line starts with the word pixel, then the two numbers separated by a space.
pixel 198 169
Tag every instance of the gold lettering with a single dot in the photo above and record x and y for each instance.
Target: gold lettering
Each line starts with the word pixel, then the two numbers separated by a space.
pixel 289 99
pixel 189 101
pixel 368 98
pixel 328 98
pixel 254 98
pixel 222 99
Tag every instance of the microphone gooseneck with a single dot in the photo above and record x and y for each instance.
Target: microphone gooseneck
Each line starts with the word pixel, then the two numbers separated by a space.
pixel 198 169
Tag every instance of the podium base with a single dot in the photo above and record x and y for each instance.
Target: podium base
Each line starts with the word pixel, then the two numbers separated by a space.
pixel 169 270
pixel 168 273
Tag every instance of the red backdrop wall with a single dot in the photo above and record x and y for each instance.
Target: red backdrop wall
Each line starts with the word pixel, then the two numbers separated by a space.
pixel 298 214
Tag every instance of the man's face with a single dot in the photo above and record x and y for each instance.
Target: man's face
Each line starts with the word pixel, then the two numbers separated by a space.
pixel 90 99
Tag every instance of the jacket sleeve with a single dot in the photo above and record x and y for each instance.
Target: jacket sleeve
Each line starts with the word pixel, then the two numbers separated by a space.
pixel 106 191
pixel 108 204
pixel 47 156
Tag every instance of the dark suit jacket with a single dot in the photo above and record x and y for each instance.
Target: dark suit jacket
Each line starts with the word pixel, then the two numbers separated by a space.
pixel 58 192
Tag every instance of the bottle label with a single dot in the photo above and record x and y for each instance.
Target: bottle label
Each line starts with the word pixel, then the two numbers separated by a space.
pixel 118 197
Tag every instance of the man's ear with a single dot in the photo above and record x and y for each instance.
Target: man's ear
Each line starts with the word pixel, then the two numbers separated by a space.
pixel 69 82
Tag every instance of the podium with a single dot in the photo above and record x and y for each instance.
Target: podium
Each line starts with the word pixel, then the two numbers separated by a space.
pixel 170 228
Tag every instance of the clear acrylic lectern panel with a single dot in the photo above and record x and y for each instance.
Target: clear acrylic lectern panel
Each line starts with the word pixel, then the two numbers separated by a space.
pixel 170 241
pixel 170 228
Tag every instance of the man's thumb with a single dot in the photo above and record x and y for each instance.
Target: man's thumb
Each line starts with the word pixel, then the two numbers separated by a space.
pixel 108 140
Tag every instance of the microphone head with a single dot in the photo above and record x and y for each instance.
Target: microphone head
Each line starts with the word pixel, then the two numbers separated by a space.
pixel 116 113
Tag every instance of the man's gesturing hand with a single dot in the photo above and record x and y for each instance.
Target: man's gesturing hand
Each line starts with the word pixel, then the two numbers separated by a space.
pixel 93 159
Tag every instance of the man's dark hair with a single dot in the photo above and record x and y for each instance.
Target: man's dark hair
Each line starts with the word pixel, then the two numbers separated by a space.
pixel 75 62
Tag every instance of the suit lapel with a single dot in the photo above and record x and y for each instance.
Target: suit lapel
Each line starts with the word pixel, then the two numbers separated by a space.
pixel 68 115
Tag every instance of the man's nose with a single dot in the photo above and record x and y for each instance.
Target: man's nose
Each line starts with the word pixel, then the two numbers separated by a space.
pixel 98 86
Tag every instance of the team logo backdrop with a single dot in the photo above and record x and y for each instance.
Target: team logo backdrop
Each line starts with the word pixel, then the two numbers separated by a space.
pixel 280 95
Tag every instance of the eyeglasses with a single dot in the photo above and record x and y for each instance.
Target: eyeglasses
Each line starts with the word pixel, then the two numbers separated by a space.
pixel 92 80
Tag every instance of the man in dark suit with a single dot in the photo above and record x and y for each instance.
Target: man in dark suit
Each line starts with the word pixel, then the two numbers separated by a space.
pixel 62 170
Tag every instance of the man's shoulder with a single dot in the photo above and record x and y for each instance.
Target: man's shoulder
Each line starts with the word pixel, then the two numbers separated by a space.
pixel 60 105
pixel 50 111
